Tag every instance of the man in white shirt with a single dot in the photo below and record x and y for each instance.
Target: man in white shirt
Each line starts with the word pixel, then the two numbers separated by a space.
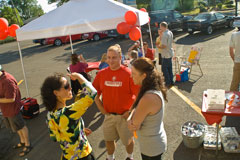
pixel 167 54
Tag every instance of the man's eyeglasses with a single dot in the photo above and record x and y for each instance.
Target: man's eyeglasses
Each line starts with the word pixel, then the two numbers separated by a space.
pixel 66 86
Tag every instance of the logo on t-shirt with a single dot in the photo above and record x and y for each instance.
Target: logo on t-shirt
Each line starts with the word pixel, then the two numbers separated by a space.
pixel 113 83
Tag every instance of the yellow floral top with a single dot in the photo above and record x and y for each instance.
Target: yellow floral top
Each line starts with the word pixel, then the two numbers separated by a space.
pixel 66 125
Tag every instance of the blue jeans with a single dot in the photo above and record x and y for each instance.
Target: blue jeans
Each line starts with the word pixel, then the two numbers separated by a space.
pixel 167 70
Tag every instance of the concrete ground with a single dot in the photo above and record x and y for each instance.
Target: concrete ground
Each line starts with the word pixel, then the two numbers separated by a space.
pixel 41 61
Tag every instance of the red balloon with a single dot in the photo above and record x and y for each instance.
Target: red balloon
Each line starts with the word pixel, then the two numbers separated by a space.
pixel 12 30
pixel 143 9
pixel 3 24
pixel 123 28
pixel 135 34
pixel 3 34
pixel 130 17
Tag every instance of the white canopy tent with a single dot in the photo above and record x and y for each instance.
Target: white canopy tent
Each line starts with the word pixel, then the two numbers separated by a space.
pixel 75 17
pixel 79 16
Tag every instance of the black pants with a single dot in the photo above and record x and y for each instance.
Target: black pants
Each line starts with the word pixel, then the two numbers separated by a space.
pixel 76 85
pixel 89 157
pixel 158 157
pixel 160 59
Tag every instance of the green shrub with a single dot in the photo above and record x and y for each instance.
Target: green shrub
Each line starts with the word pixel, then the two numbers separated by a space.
pixel 178 8
pixel 229 5
pixel 219 5
pixel 8 39
pixel 229 2
pixel 202 4
pixel 185 6
pixel 188 5
pixel 202 9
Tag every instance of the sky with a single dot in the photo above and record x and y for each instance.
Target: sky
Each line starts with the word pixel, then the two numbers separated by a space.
pixel 45 6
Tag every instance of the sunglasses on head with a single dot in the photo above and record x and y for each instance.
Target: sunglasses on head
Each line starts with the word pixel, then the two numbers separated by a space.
pixel 66 86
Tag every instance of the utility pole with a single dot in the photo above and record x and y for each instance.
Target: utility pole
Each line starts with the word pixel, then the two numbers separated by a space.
pixel 15 12
pixel 236 7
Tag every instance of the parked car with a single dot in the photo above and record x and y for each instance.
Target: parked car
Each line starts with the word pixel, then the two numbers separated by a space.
pixel 113 33
pixel 41 41
pixel 175 20
pixel 208 22
pixel 236 22
pixel 95 35
pixel 58 41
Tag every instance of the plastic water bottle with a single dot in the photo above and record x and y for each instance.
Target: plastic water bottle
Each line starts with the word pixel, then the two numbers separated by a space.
pixel 239 87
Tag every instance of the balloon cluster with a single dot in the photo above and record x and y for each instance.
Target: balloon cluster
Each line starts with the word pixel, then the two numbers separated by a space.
pixel 6 30
pixel 130 25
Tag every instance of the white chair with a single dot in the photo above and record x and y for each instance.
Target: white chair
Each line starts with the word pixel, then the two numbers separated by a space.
pixel 192 59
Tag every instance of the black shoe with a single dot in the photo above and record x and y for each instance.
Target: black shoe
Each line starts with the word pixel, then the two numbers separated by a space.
pixel 26 150
pixel 19 145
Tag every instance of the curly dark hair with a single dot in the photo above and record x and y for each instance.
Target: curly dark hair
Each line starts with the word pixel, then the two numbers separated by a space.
pixel 153 81
pixel 50 84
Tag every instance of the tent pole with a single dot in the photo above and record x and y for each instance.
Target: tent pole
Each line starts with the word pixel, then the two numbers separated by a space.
pixel 24 75
pixel 71 43
pixel 150 33
pixel 141 39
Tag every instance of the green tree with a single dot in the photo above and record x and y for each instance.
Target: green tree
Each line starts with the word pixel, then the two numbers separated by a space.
pixel 212 2
pixel 27 8
pixel 59 2
pixel 3 3
pixel 140 3
pixel 144 4
pixel 8 13
pixel 186 5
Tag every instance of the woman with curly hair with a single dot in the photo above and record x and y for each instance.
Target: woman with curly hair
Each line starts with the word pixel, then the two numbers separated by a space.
pixel 65 123
pixel 147 115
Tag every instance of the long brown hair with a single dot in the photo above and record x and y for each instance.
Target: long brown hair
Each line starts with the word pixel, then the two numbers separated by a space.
pixel 74 59
pixel 153 81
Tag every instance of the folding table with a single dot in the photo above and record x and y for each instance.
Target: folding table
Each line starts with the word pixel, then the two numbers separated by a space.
pixel 216 116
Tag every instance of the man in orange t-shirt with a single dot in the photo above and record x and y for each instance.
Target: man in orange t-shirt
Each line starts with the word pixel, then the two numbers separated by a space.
pixel 118 92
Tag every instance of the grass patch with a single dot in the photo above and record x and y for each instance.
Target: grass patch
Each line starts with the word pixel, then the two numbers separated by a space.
pixel 7 40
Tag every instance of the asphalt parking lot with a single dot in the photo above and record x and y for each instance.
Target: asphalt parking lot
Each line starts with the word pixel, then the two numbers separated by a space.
pixel 42 61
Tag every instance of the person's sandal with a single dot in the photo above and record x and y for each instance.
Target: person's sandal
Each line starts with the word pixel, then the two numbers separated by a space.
pixel 25 152
pixel 19 145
